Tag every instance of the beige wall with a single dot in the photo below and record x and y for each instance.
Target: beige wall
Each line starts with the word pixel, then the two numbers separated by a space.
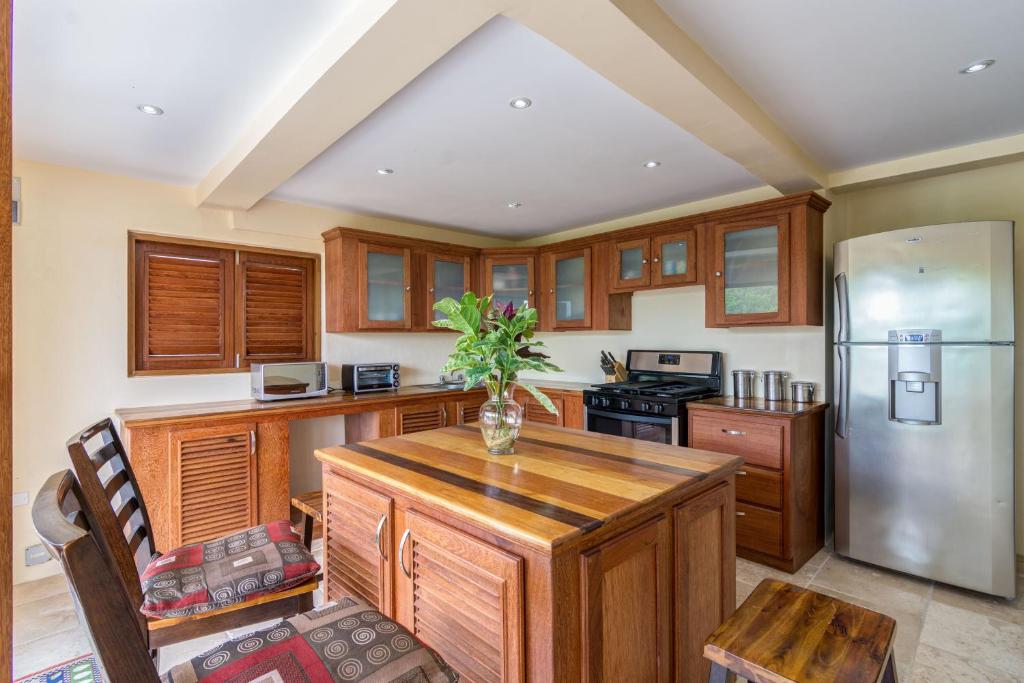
pixel 992 193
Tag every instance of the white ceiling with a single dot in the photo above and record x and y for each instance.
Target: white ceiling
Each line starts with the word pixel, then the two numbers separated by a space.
pixel 81 68
pixel 861 81
pixel 460 153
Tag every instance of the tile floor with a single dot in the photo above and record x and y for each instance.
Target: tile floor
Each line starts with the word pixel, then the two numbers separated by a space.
pixel 943 634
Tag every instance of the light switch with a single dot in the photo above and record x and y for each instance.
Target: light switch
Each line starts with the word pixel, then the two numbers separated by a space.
pixel 20 498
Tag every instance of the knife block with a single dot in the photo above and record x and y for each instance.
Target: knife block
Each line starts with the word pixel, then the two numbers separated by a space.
pixel 619 376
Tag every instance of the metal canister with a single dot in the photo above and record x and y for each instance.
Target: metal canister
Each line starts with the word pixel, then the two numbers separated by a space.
pixel 774 385
pixel 743 383
pixel 802 392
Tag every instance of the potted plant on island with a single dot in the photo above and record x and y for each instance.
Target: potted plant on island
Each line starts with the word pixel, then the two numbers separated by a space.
pixel 493 349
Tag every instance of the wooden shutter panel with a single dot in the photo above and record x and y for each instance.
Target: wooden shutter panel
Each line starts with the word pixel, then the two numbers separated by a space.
pixel 276 308
pixel 183 307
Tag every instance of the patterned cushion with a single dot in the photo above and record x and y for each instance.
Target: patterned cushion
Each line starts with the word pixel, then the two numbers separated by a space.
pixel 206 576
pixel 343 641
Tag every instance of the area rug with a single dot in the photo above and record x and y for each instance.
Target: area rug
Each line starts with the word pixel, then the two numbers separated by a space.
pixel 82 669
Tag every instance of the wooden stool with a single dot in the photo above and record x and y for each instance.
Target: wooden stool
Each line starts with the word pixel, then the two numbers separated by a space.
pixel 311 505
pixel 786 634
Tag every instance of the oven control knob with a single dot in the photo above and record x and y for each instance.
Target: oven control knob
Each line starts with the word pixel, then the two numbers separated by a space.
pixel 623 404
pixel 645 405
pixel 659 408
pixel 606 402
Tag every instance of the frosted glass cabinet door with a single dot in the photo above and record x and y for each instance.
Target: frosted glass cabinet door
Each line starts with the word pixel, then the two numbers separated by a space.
pixel 569 289
pixel 675 258
pixel 384 285
pixel 752 271
pixel 631 264
pixel 509 279
pixel 449 278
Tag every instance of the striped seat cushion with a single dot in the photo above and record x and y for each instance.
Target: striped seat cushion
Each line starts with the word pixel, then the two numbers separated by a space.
pixel 343 641
pixel 206 576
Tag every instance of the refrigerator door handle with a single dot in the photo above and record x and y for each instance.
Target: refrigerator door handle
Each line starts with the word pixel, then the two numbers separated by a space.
pixel 842 393
pixel 843 299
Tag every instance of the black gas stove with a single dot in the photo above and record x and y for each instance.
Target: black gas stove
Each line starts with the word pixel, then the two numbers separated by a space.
pixel 651 403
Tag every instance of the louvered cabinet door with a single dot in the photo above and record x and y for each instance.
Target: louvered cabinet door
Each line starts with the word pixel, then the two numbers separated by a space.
pixel 357 545
pixel 464 598
pixel 421 417
pixel 533 411
pixel 276 317
pixel 213 482
pixel 182 308
pixel 469 408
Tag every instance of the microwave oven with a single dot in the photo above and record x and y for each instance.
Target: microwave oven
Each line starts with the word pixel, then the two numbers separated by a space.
pixel 370 377
pixel 278 381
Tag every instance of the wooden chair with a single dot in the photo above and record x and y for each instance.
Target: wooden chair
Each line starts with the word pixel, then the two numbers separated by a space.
pixel 117 512
pixel 311 507
pixel 786 634
pixel 109 613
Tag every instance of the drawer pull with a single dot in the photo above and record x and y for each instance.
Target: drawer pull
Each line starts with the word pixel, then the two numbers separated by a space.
pixel 380 528
pixel 738 514
pixel 733 432
pixel 401 553
pixel 741 473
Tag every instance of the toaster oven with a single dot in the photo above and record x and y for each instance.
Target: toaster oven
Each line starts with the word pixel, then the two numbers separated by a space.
pixel 278 381
pixel 370 377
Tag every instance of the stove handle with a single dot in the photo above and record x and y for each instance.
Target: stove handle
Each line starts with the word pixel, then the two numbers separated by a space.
pixel 656 419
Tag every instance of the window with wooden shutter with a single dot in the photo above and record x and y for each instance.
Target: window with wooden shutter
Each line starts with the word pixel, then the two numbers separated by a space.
pixel 183 307
pixel 209 307
pixel 276 316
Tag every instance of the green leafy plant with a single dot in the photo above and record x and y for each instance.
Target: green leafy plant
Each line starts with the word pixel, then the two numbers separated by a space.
pixel 495 346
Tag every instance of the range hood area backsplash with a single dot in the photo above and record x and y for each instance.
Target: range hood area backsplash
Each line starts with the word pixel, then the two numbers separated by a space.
pixel 666 318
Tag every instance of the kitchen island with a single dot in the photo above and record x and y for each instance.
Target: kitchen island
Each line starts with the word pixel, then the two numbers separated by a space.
pixel 583 557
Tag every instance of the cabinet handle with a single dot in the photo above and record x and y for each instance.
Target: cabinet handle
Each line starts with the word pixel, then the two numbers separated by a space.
pixel 656 259
pixel 718 273
pixel 252 442
pixel 551 291
pixel 444 416
pixel 530 293
pixel 644 261
pixel 741 473
pixel 401 553
pixel 733 432
pixel 431 290
pixel 380 528
pixel 741 514
pixel 408 287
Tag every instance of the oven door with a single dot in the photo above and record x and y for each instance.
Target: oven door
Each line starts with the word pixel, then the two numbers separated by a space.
pixel 643 427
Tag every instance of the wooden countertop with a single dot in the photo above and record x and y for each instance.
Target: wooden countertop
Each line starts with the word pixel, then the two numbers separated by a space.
pixel 759 406
pixel 337 403
pixel 560 484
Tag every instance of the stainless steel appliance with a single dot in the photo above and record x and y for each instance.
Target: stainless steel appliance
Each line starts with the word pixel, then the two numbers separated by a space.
pixel 924 402
pixel 370 377
pixel 277 381
pixel 651 403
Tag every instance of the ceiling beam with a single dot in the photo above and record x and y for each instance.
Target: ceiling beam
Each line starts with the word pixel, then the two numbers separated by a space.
pixel 377 50
pixel 639 48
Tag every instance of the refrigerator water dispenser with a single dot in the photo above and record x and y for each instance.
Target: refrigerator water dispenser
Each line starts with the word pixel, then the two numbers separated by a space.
pixel 915 376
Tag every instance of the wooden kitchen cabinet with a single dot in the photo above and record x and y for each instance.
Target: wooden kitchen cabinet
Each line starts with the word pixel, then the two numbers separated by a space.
pixel 765 264
pixel 568 403
pixel 447 277
pixel 510 276
pixel 631 264
pixel 566 288
pixel 420 417
pixel 779 488
pixel 358 543
pixel 668 257
pixel 385 287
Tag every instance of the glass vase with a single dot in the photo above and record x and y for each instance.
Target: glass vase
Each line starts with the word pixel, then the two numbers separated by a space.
pixel 500 420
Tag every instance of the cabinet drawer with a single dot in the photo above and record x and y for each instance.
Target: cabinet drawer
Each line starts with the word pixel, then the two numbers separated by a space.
pixel 758 486
pixel 758 443
pixel 759 529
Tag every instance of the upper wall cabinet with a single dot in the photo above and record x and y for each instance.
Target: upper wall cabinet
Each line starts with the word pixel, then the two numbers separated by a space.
pixel 666 257
pixel 510 276
pixel 567 289
pixel 379 282
pixel 765 264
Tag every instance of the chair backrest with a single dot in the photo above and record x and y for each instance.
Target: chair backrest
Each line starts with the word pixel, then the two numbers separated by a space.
pixel 103 606
pixel 114 504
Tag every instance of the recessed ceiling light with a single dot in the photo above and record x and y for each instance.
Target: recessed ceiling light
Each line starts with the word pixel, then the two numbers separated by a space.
pixel 652 164
pixel 521 103
pixel 385 171
pixel 151 109
pixel 977 66
pixel 514 205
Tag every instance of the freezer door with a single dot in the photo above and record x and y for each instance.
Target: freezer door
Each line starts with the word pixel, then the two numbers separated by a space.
pixel 957 278
pixel 934 500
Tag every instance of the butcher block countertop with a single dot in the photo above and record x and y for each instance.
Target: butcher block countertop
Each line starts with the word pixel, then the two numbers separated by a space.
pixel 559 485
pixel 759 406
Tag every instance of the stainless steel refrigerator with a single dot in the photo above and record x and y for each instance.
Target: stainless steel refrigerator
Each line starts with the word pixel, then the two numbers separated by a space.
pixel 923 398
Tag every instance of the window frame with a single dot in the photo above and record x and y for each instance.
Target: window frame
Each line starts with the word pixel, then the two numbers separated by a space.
pixel 135 237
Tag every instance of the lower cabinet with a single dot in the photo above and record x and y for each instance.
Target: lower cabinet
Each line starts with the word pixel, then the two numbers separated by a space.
pixel 421 417
pixel 568 403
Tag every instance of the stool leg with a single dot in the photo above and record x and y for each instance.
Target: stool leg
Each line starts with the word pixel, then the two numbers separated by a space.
pixel 889 675
pixel 718 673
pixel 307 531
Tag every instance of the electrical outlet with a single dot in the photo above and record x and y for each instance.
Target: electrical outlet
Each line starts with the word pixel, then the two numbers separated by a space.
pixel 20 498
pixel 36 554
